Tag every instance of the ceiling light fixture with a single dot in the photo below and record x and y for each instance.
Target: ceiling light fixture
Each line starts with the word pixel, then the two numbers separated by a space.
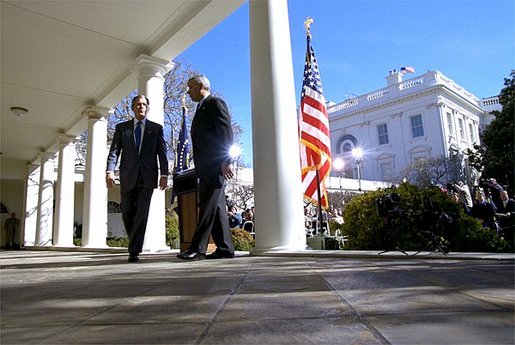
pixel 19 111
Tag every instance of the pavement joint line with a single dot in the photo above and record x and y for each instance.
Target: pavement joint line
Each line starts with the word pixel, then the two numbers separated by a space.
pixel 460 291
pixel 362 319
pixel 206 330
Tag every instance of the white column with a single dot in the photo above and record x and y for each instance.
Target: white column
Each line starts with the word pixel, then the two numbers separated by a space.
pixel 29 217
pixel 279 219
pixel 65 193
pixel 151 73
pixel 45 200
pixel 94 222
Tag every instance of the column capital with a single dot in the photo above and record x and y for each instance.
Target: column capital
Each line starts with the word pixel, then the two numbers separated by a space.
pixel 151 66
pixel 65 139
pixel 31 167
pixel 46 156
pixel 94 112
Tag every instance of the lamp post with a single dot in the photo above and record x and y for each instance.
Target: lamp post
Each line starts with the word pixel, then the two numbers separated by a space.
pixel 357 153
pixel 235 153
pixel 338 165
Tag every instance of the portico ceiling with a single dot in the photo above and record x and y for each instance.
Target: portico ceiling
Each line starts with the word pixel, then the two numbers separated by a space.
pixel 57 57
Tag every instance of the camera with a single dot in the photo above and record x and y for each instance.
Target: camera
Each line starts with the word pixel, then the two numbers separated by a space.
pixel 485 185
pixel 451 187
pixel 387 204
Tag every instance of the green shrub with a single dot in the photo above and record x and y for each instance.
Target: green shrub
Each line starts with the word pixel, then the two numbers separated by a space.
pixel 242 240
pixel 408 225
pixel 118 242
pixel 172 235
pixel 470 236
pixel 334 226
pixel 172 231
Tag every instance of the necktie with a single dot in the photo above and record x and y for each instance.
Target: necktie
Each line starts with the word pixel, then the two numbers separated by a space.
pixel 137 134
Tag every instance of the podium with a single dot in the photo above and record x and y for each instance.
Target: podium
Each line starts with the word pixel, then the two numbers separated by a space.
pixel 185 185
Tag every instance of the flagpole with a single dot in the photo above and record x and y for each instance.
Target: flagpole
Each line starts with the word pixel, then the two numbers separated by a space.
pixel 319 201
pixel 307 25
pixel 183 101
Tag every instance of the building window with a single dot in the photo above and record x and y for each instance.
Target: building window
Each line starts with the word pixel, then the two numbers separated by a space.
pixel 417 128
pixel 346 147
pixel 386 171
pixel 346 143
pixel 462 129
pixel 382 133
pixel 449 124
pixel 472 134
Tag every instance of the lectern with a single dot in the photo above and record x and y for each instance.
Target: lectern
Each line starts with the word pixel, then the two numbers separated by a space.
pixel 185 185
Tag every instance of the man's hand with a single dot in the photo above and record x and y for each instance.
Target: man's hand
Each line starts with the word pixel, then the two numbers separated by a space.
pixel 227 171
pixel 163 183
pixel 110 179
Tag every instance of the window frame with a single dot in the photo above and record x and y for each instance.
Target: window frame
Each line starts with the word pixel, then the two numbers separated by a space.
pixel 413 128
pixel 461 129
pixel 384 134
pixel 450 124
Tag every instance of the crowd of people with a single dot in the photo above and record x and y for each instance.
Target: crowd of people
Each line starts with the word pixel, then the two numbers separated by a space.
pixel 489 203
pixel 312 220
pixel 243 220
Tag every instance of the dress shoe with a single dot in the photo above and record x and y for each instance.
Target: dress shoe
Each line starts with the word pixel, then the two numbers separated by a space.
pixel 133 258
pixel 191 255
pixel 219 254
pixel 184 254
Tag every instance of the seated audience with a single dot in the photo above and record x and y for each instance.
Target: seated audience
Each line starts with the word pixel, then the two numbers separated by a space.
pixel 506 213
pixel 484 211
pixel 235 220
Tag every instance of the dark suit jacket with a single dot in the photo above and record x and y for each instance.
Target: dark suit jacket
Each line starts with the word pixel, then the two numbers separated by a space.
pixel 485 212
pixel 211 136
pixel 510 207
pixel 153 147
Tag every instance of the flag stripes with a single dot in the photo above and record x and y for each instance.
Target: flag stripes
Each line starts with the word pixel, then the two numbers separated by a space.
pixel 315 146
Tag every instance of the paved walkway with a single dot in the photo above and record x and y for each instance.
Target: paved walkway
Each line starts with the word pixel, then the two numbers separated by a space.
pixel 55 297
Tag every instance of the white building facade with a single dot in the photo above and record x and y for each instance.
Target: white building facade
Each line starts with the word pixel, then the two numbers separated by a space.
pixel 426 116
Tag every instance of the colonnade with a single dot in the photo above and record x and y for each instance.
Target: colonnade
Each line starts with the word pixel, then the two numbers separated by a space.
pixel 278 191
pixel 49 219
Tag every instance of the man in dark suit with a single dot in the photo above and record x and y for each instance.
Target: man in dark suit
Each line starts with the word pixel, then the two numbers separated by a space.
pixel 141 144
pixel 212 138
pixel 506 215
pixel 484 211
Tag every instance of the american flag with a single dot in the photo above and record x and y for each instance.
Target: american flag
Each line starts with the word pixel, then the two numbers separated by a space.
pixel 315 146
pixel 407 69
pixel 182 154
pixel 183 151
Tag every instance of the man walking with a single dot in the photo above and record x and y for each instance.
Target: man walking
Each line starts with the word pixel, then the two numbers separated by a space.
pixel 212 138
pixel 140 143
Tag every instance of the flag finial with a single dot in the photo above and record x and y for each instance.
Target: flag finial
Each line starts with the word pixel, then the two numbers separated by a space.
pixel 307 25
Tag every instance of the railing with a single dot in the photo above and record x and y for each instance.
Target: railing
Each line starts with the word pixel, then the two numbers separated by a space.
pixel 411 83
pixel 485 102
pixel 343 105
pixel 426 80
pixel 377 94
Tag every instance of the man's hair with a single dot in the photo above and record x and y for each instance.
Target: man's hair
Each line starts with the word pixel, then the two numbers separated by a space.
pixel 138 97
pixel 202 80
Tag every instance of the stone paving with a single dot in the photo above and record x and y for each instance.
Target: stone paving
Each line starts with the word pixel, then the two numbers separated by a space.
pixel 316 297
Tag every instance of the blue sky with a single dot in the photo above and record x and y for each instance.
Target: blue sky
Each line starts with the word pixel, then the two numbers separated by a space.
pixel 357 42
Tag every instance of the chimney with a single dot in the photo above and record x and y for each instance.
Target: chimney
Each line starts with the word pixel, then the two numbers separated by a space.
pixel 394 77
